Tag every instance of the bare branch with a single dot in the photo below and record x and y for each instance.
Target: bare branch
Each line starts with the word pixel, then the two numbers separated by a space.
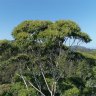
pixel 35 88
pixel 23 81
pixel 45 79
pixel 73 42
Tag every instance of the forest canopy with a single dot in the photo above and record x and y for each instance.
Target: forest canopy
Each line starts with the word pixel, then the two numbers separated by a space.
pixel 39 61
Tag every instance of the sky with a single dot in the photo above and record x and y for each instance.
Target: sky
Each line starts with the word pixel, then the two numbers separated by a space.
pixel 83 12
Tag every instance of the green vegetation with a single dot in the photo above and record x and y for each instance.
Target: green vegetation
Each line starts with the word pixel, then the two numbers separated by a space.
pixel 39 62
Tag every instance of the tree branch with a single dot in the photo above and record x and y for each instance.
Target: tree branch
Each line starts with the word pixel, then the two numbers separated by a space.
pixel 23 81
pixel 45 80
pixel 35 88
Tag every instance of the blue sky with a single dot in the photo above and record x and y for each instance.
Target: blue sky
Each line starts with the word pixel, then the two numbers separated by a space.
pixel 13 12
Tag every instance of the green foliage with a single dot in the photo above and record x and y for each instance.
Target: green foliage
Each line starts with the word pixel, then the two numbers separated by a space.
pixel 30 27
pixel 18 89
pixel 72 92
pixel 39 54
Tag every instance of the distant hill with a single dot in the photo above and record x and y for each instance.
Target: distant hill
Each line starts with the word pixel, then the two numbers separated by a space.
pixel 89 53
pixel 82 49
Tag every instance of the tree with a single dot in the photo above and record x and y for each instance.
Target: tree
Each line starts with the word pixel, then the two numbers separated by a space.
pixel 48 39
pixel 43 57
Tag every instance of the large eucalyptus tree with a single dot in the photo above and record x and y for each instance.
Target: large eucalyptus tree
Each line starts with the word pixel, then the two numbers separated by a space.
pixel 42 46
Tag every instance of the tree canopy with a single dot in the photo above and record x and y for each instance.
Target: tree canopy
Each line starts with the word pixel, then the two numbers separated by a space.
pixel 39 61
